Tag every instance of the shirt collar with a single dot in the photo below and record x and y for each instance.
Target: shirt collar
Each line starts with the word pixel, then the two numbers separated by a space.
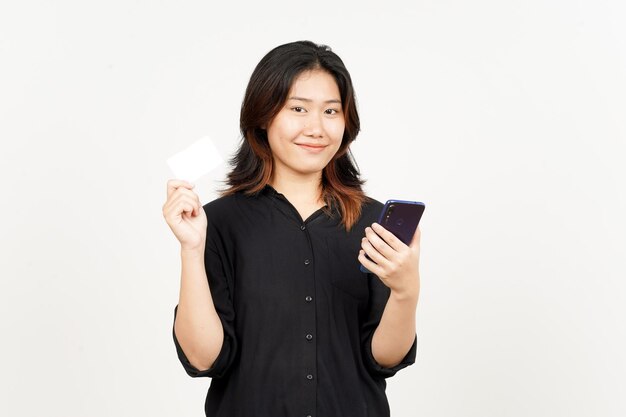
pixel 275 196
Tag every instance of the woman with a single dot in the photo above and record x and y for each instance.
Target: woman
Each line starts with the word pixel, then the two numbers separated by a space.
pixel 273 306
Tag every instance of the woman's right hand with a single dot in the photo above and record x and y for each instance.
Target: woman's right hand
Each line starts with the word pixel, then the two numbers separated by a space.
pixel 184 215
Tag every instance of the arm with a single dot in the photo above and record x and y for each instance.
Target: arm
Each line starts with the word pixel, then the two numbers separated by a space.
pixel 203 330
pixel 395 333
pixel 197 325
pixel 397 266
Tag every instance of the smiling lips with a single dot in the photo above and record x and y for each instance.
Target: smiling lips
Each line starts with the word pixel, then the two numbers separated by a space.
pixel 311 147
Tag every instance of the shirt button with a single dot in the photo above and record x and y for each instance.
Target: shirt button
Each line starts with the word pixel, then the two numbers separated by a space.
pixel 309 377
pixel 302 227
pixel 309 337
pixel 306 261
pixel 308 298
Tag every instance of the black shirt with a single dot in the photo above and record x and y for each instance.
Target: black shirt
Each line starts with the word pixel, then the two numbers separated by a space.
pixel 298 314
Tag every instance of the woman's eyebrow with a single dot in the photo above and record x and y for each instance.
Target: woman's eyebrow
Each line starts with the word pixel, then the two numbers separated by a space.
pixel 308 100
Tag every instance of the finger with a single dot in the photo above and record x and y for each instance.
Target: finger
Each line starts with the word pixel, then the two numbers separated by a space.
pixel 372 252
pixel 179 196
pixel 415 242
pixel 395 243
pixel 377 242
pixel 181 203
pixel 182 191
pixel 195 200
pixel 178 211
pixel 173 185
pixel 186 206
pixel 370 265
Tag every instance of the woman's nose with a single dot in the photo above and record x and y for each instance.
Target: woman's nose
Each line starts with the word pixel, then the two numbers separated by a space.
pixel 313 126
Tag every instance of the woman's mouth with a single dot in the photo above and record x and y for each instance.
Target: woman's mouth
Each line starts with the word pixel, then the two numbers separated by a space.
pixel 311 148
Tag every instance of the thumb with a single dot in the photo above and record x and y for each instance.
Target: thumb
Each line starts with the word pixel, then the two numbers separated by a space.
pixel 416 238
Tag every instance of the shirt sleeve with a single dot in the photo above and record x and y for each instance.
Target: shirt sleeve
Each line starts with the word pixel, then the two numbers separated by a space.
pixel 220 285
pixel 379 294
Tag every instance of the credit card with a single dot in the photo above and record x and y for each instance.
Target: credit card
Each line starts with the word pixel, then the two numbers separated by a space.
pixel 197 160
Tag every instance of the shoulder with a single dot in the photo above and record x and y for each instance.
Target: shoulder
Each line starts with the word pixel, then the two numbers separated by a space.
pixel 225 206
pixel 225 215
pixel 221 205
pixel 233 207
pixel 370 211
pixel 371 207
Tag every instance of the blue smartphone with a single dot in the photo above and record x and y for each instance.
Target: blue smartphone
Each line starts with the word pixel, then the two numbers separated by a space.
pixel 400 218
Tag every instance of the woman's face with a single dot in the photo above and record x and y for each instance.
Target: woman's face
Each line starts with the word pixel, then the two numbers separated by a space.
pixel 306 133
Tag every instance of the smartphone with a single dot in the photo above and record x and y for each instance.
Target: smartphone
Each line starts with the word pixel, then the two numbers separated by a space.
pixel 400 218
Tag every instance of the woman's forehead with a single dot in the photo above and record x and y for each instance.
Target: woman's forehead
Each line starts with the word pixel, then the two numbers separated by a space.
pixel 314 85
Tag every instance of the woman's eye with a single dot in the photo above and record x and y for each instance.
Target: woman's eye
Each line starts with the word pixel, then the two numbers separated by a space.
pixel 331 111
pixel 298 109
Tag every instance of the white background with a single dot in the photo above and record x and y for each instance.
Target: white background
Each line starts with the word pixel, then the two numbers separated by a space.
pixel 507 118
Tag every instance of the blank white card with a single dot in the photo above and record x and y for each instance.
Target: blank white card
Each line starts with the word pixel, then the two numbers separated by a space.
pixel 197 160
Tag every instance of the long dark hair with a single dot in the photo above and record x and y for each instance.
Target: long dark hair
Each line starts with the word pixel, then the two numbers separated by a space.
pixel 265 96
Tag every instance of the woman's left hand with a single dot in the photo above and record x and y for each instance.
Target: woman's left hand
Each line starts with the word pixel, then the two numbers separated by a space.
pixel 395 263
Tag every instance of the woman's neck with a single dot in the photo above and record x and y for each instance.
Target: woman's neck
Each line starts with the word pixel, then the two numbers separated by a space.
pixel 304 193
pixel 301 189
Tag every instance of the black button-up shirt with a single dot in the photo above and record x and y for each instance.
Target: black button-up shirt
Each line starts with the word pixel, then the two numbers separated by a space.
pixel 298 314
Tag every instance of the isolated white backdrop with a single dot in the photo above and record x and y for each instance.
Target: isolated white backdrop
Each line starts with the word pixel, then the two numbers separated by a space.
pixel 505 117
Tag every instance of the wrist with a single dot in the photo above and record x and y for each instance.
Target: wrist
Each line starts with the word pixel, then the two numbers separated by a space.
pixel 407 296
pixel 192 253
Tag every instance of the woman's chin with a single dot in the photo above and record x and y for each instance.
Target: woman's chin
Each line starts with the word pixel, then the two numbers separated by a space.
pixel 308 171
